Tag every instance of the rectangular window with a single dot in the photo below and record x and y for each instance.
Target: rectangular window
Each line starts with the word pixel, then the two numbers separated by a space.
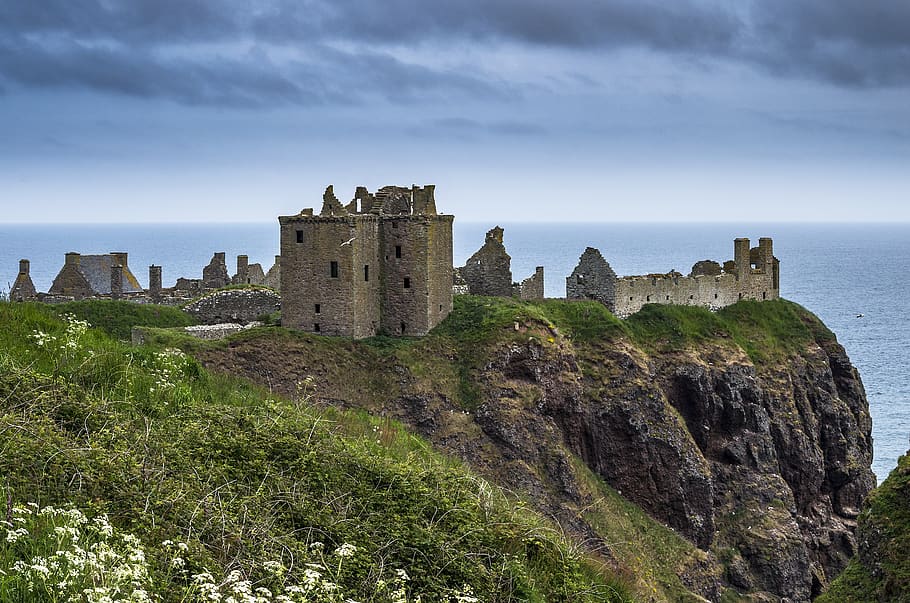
pixel 300 236
pixel 407 283
pixel 394 224
pixel 316 327
pixel 366 272
pixel 397 251
pixel 333 269
pixel 317 308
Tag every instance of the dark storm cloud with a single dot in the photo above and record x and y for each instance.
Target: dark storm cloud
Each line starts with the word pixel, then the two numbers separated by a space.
pixel 289 51
pixel 847 43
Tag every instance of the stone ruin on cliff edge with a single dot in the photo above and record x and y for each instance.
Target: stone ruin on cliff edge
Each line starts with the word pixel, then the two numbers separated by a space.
pixel 488 272
pixel 381 263
pixel 752 274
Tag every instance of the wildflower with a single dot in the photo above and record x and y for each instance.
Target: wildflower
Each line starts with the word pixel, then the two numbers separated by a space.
pixel 13 536
pixel 345 550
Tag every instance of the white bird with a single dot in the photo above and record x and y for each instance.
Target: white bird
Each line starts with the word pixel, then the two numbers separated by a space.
pixel 349 241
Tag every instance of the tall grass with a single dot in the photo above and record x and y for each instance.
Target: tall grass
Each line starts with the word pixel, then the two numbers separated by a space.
pixel 169 452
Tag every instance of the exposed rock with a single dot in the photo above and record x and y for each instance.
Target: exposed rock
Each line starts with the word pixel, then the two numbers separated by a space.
pixel 761 466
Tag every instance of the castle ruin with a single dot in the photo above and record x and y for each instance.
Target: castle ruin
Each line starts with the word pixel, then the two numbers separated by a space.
pixel 754 273
pixel 381 263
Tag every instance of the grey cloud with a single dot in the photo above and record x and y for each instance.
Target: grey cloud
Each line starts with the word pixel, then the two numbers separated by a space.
pixel 846 43
pixel 196 51
pixel 470 129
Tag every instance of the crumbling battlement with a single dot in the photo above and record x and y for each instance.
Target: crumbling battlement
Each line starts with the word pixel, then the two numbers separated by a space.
pixel 380 263
pixel 754 273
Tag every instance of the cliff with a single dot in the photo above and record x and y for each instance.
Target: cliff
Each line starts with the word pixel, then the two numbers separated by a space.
pixel 880 571
pixel 745 431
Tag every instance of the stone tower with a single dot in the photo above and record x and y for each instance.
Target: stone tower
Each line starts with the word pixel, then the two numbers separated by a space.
pixel 382 262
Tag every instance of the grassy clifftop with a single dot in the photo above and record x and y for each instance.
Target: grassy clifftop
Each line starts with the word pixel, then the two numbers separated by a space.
pixel 244 480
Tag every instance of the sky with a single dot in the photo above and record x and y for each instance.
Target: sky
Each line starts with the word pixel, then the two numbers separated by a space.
pixel 522 110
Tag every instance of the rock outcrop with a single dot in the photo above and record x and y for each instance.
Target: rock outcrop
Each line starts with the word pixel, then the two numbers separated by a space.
pixel 761 461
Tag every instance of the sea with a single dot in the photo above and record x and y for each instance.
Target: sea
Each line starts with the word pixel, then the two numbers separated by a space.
pixel 856 278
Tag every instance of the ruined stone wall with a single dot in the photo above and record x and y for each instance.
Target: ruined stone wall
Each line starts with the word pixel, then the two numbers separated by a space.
pixel 23 289
pixel 273 276
pixel 241 306
pixel 313 299
pixel 753 274
pixel 709 291
pixel 593 278
pixel 215 275
pixel 70 282
pixel 532 287
pixel 488 271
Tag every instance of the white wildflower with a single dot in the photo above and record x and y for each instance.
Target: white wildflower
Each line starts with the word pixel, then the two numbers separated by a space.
pixel 346 550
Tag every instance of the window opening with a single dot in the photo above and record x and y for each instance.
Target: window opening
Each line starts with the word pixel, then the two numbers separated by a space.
pixel 333 269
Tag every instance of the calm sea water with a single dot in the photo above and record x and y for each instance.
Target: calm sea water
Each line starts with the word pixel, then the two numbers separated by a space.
pixel 837 271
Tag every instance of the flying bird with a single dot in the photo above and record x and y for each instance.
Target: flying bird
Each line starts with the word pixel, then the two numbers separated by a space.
pixel 349 241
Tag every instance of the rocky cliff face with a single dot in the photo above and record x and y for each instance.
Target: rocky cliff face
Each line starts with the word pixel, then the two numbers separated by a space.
pixel 762 465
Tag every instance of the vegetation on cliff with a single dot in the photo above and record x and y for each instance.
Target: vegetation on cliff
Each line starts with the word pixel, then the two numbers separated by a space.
pixel 881 569
pixel 202 483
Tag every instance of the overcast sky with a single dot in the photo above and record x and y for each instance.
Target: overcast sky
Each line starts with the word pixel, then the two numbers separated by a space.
pixel 204 110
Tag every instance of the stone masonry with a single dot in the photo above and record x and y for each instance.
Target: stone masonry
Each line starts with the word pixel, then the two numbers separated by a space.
pixel 488 271
pixel 593 278
pixel 215 275
pixel 532 287
pixel 23 289
pixel 90 275
pixel 752 274
pixel 381 263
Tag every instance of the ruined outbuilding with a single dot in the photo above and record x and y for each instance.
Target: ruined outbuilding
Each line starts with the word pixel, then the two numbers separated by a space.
pixel 92 275
pixel 380 263
pixel 754 273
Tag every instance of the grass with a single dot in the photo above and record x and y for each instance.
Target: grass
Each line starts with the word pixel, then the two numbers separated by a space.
pixel 170 451
pixel 117 318
pixel 884 525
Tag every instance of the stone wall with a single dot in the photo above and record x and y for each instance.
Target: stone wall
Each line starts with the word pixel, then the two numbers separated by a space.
pixel 532 287
pixel 488 271
pixel 593 278
pixel 241 306
pixel 753 274
pixel 215 275
pixel 23 289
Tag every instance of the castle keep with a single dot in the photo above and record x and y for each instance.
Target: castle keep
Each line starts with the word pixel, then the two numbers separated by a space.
pixel 382 262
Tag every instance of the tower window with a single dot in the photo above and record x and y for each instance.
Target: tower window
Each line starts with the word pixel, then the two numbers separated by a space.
pixel 300 236
pixel 333 269
pixel 397 251
pixel 317 309
pixel 407 283
pixel 316 327
pixel 366 272
pixel 404 327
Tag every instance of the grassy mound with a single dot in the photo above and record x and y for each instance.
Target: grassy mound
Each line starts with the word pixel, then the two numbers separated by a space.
pixel 171 453
pixel 882 570
pixel 117 318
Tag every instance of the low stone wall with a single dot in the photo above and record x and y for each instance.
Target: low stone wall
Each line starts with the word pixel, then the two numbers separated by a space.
pixel 139 334
pixel 234 305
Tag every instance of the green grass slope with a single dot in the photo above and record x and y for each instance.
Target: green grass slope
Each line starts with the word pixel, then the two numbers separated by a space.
pixel 881 572
pixel 246 480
